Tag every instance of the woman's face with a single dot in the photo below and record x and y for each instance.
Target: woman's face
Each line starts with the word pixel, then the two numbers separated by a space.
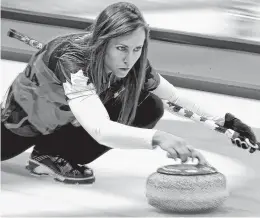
pixel 122 52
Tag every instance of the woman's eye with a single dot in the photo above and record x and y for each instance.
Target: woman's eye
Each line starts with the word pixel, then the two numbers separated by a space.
pixel 121 48
pixel 138 48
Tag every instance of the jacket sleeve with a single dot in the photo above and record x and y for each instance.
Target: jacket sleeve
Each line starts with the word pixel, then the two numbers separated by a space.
pixel 167 91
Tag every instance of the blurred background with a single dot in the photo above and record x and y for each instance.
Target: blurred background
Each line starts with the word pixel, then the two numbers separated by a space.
pixel 230 19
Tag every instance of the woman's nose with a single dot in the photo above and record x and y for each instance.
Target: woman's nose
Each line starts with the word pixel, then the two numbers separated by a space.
pixel 128 59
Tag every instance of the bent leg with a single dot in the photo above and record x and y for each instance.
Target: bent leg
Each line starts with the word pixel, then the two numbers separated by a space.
pixel 77 145
pixel 72 143
pixel 12 144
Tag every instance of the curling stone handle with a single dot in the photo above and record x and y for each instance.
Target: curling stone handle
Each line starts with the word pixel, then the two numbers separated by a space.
pixel 180 162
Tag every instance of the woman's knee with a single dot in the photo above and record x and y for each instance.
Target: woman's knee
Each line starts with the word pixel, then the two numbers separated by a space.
pixel 149 111
pixel 155 105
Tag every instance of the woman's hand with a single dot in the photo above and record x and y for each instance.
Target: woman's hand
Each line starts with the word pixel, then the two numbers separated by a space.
pixel 176 147
pixel 231 122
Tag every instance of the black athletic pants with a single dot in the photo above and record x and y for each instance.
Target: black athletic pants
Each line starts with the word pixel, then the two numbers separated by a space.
pixel 74 143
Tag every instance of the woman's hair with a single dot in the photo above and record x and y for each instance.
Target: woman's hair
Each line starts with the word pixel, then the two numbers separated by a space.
pixel 118 19
pixel 88 52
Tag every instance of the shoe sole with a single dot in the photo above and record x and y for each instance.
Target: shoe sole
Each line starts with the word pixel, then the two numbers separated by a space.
pixel 38 169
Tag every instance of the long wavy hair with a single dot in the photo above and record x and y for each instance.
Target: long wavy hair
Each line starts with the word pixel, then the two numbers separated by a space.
pixel 118 19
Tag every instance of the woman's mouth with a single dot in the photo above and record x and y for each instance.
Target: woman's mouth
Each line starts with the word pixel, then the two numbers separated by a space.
pixel 124 69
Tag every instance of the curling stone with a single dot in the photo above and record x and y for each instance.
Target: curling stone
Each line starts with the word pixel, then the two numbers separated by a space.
pixel 186 188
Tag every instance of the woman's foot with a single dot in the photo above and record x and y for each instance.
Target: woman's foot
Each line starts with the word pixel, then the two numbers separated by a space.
pixel 61 170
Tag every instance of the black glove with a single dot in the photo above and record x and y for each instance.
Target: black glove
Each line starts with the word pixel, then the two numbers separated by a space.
pixel 231 122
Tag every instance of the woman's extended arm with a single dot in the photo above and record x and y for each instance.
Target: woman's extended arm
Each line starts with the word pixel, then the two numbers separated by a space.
pixel 93 117
pixel 167 91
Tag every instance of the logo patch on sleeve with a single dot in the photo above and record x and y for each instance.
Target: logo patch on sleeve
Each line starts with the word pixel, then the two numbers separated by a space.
pixel 79 86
